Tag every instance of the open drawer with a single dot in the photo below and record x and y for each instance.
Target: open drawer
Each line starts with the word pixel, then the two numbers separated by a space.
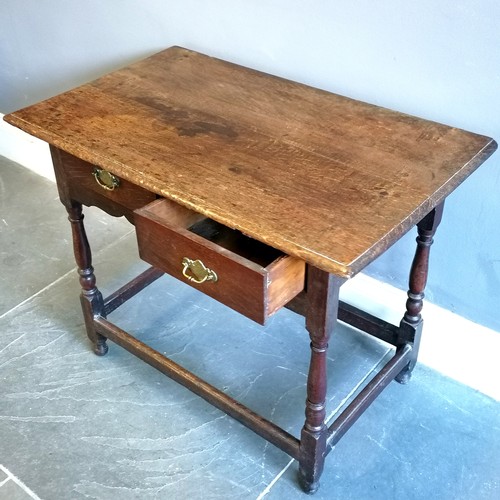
pixel 242 273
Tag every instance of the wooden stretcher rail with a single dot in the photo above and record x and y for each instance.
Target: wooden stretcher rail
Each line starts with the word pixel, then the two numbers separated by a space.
pixel 269 431
pixel 347 313
pixel 361 402
pixel 353 316
pixel 132 288
pixel 368 323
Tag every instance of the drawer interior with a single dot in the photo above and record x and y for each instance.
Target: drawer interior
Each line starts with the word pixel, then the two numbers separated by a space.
pixel 235 241
pixel 230 239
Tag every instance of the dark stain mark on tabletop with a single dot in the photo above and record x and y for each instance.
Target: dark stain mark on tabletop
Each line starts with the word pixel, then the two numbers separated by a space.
pixel 201 127
pixel 190 123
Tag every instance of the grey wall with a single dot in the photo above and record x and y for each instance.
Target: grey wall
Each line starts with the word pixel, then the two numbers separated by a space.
pixel 436 59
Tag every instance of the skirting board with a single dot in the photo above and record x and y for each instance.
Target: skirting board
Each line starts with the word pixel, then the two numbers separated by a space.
pixel 26 150
pixel 451 344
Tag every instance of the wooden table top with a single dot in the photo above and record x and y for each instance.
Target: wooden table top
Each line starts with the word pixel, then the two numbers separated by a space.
pixel 319 176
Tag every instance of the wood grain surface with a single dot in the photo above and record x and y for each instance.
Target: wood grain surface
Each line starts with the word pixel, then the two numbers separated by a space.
pixel 325 178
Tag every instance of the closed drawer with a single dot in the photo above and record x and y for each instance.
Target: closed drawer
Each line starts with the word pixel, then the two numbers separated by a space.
pixel 244 274
pixel 90 185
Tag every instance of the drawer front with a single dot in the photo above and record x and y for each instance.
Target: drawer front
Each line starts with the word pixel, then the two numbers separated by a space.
pixel 254 290
pixel 79 180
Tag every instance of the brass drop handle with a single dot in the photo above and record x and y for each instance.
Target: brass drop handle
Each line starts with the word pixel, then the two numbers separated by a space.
pixel 105 179
pixel 197 272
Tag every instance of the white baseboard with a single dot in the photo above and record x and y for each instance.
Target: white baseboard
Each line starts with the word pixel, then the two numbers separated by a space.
pixel 26 150
pixel 451 344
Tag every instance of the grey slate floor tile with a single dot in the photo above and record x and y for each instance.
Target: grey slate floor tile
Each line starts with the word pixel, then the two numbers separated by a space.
pixel 431 439
pixel 12 491
pixel 73 425
pixel 137 433
pixel 35 236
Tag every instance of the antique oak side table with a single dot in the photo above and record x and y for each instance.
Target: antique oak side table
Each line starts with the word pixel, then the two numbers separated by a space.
pixel 260 192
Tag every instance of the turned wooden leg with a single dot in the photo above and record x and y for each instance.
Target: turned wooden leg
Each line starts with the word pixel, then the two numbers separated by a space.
pixel 321 317
pixel 410 328
pixel 91 298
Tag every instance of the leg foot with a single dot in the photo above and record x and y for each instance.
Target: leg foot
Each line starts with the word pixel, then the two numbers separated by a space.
pixel 100 347
pixel 307 487
pixel 313 451
pixel 409 334
pixel 404 377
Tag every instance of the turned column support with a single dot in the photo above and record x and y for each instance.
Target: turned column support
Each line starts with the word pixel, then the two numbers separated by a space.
pixel 90 298
pixel 410 328
pixel 321 318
